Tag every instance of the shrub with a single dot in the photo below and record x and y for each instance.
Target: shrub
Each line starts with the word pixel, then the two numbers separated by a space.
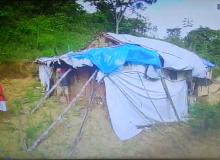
pixel 204 117
pixel 216 72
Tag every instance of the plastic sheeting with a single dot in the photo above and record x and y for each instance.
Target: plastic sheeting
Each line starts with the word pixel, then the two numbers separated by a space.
pixel 45 73
pixel 207 63
pixel 174 57
pixel 108 59
pixel 125 92
pixel 75 63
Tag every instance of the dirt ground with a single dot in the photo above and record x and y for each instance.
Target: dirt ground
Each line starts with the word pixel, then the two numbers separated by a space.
pixel 98 139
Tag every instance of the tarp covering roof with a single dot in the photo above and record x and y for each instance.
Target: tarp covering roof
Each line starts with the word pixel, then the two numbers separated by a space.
pixel 207 63
pixel 107 59
pixel 136 50
pixel 175 57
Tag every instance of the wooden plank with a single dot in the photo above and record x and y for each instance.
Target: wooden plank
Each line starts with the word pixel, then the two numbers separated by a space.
pixel 79 134
pixel 50 91
pixel 41 137
pixel 169 97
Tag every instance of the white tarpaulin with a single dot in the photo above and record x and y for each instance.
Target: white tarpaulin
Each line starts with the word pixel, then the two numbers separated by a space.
pixel 74 62
pixel 125 92
pixel 45 73
pixel 174 57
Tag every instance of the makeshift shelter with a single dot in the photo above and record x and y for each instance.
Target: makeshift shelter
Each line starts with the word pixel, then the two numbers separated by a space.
pixel 141 80
pixel 205 82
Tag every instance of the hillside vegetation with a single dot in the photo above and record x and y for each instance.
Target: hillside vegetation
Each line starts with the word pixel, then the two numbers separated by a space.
pixel 31 29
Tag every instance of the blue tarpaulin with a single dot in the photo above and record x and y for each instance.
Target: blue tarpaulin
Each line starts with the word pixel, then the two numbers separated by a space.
pixel 207 63
pixel 107 59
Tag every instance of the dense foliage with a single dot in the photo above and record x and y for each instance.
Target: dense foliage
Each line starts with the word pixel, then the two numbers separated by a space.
pixel 205 42
pixel 205 117
pixel 32 29
pixel 115 10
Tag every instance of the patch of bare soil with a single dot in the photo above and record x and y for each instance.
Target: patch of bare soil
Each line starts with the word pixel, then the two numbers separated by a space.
pixel 14 70
pixel 98 139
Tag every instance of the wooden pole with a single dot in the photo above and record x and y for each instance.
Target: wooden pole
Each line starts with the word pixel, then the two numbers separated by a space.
pixel 150 98
pixel 142 126
pixel 50 91
pixel 79 134
pixel 169 97
pixel 39 139
pixel 210 76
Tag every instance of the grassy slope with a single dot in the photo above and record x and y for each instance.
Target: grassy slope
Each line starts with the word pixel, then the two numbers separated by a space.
pixel 63 41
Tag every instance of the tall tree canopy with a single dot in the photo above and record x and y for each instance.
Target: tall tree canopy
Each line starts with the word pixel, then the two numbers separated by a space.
pixel 205 42
pixel 174 32
pixel 117 8
pixel 187 23
pixel 174 36
pixel 138 27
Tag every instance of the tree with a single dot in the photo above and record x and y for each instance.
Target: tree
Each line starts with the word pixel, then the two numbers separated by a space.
pixel 187 23
pixel 117 8
pixel 174 32
pixel 137 26
pixel 205 42
pixel 174 36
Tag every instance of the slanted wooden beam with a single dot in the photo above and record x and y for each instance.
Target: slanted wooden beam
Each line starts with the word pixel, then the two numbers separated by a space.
pixel 50 91
pixel 86 115
pixel 169 97
pixel 41 137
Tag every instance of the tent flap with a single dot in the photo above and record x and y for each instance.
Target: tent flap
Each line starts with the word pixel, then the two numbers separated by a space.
pixel 126 97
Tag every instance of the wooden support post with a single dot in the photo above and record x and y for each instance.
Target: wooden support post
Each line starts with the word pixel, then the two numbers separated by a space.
pixel 50 91
pixel 79 134
pixel 209 86
pixel 150 98
pixel 169 97
pixel 40 138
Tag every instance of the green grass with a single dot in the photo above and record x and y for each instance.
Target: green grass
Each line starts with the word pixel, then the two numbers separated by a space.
pixel 26 49
pixel 216 72
pixel 205 118
pixel 34 129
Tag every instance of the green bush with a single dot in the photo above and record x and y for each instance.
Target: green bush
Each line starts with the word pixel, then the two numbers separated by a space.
pixel 216 72
pixel 204 117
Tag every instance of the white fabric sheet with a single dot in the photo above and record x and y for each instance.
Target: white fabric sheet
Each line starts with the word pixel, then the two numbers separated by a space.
pixel 45 73
pixel 75 63
pixel 174 57
pixel 3 106
pixel 123 114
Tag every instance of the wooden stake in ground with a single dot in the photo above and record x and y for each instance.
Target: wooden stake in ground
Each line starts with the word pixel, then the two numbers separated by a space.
pixel 169 97
pixel 50 91
pixel 39 139
pixel 77 138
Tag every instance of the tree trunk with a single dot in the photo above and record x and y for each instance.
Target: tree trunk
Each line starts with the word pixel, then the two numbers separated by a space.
pixel 117 27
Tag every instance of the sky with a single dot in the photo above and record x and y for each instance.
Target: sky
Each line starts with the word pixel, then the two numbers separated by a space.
pixel 171 13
